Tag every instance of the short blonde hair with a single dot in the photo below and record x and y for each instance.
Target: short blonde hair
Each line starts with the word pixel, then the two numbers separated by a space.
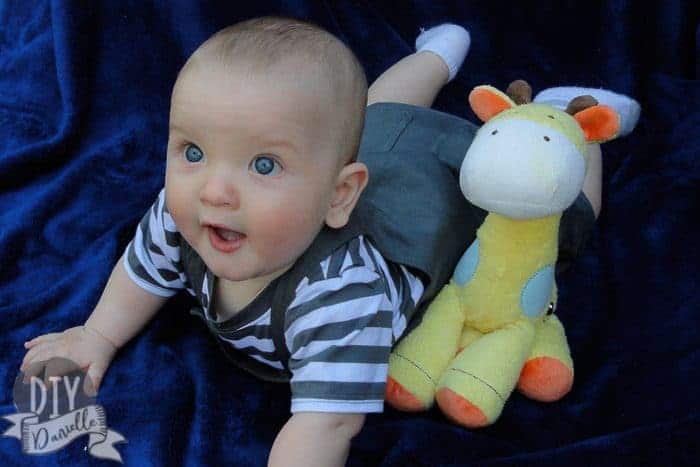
pixel 273 42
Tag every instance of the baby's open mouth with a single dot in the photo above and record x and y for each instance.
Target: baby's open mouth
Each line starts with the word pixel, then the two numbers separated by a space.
pixel 227 234
pixel 225 240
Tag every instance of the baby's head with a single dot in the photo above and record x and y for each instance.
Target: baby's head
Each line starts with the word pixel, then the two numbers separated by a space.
pixel 265 123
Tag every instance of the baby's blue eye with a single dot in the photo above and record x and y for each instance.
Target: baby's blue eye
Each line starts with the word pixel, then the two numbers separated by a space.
pixel 265 165
pixel 193 153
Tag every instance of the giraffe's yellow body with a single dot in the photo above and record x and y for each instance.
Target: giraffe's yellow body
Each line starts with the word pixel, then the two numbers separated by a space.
pixel 476 338
pixel 511 251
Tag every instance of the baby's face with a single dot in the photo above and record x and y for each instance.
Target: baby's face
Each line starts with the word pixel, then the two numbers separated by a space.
pixel 252 157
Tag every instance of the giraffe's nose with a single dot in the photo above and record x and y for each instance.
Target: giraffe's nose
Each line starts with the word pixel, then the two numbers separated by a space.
pixel 521 168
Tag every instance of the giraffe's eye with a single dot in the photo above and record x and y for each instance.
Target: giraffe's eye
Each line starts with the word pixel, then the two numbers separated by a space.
pixel 494 132
pixel 546 138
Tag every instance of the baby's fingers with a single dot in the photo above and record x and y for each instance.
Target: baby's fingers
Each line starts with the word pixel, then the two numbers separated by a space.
pixel 43 338
pixel 40 353
pixel 33 369
pixel 31 355
pixel 50 357
pixel 59 367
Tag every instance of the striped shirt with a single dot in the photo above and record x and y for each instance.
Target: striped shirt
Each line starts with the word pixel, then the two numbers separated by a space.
pixel 340 327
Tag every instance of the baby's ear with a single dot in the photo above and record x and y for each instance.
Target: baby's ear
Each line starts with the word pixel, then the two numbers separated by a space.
pixel 487 102
pixel 350 183
pixel 599 123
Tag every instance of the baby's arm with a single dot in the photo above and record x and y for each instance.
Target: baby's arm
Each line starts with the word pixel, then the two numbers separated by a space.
pixel 315 439
pixel 128 302
pixel 122 311
pixel 124 308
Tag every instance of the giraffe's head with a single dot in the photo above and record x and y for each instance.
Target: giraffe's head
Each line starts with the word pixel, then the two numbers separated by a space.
pixel 529 160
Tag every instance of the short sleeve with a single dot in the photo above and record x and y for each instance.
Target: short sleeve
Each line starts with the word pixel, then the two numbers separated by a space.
pixel 152 258
pixel 340 330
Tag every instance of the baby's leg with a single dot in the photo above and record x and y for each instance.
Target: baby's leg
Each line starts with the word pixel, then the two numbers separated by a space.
pixel 593 183
pixel 415 79
pixel 418 78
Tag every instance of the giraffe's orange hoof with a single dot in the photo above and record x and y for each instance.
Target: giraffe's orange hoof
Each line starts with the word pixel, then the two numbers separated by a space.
pixel 400 398
pixel 545 379
pixel 460 410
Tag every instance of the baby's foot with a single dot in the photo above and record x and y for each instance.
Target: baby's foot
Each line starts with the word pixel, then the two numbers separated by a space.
pixel 448 41
pixel 625 106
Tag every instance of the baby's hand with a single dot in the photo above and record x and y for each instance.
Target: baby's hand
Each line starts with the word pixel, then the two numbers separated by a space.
pixel 82 345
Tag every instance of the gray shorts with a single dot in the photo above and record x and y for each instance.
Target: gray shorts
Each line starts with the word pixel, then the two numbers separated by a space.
pixel 397 128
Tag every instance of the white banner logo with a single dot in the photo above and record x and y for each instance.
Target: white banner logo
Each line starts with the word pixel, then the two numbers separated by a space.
pixel 51 416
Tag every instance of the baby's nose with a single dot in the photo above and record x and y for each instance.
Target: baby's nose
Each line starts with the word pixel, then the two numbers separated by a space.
pixel 219 192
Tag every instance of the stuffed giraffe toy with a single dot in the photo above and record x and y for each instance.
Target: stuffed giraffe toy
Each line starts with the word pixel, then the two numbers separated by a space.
pixel 493 327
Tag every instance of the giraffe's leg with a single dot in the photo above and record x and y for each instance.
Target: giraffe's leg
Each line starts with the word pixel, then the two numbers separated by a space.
pixel 548 373
pixel 469 335
pixel 475 387
pixel 416 364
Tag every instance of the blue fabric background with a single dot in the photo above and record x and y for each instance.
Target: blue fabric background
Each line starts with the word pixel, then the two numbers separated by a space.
pixel 84 92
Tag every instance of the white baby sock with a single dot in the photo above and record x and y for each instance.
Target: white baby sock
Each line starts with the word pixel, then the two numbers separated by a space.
pixel 625 106
pixel 449 41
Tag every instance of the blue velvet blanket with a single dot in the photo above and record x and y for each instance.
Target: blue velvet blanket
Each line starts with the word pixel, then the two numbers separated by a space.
pixel 84 95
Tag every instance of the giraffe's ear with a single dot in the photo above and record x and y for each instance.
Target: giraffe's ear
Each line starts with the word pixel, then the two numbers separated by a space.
pixel 487 102
pixel 599 123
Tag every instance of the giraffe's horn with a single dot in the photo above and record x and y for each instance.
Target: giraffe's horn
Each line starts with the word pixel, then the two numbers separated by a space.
pixel 580 103
pixel 520 92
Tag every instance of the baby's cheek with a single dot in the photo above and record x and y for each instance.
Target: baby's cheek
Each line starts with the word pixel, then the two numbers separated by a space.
pixel 291 230
pixel 177 207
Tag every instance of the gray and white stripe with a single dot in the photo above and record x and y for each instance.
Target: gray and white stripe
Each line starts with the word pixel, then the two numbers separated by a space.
pixel 255 339
pixel 152 257
pixel 340 330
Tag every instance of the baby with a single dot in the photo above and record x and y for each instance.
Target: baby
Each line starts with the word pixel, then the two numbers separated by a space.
pixel 262 183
